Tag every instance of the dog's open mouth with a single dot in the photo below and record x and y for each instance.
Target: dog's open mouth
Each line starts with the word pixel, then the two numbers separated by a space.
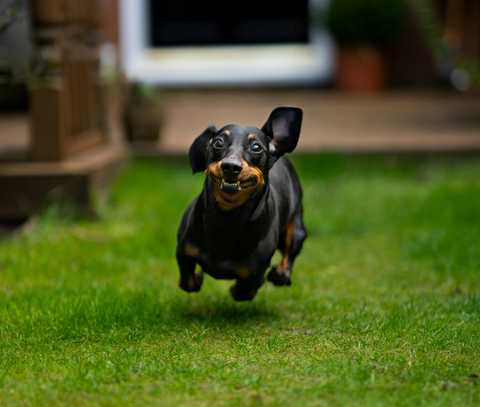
pixel 234 187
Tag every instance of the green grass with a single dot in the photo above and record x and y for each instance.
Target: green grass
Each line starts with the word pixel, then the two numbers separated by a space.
pixel 384 307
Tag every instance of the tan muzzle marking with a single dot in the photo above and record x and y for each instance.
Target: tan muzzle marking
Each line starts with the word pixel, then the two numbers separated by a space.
pixel 250 180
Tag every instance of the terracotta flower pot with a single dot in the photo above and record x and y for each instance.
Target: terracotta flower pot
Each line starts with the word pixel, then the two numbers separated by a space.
pixel 360 70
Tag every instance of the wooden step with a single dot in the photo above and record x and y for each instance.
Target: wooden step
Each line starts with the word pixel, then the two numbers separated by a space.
pixel 26 187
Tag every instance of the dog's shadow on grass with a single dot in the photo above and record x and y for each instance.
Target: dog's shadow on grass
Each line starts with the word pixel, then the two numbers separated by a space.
pixel 221 312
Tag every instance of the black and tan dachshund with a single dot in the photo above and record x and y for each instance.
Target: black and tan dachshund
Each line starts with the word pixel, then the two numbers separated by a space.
pixel 250 206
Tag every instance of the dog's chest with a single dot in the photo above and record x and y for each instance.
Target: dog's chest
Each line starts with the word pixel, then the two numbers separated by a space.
pixel 227 269
pixel 228 259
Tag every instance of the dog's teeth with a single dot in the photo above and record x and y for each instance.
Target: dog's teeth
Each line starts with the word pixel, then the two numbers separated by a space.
pixel 231 186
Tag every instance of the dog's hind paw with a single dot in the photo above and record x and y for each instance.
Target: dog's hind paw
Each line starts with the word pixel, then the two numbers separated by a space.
pixel 278 276
pixel 192 283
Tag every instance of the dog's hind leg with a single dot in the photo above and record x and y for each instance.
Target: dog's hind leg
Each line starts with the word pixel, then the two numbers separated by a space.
pixel 190 280
pixel 293 238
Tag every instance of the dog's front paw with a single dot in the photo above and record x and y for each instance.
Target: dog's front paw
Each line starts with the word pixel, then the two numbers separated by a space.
pixel 242 293
pixel 191 283
pixel 279 276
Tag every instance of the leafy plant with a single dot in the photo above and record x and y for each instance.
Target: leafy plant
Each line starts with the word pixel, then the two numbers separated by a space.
pixel 472 67
pixel 366 22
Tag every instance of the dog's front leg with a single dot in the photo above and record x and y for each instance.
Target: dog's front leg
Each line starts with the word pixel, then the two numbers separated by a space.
pixel 190 281
pixel 246 289
pixel 249 279
pixel 250 275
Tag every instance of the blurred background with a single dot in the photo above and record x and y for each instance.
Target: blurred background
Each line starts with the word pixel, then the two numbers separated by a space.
pixel 83 84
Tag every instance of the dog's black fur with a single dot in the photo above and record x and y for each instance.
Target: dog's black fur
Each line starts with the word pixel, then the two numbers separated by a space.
pixel 250 206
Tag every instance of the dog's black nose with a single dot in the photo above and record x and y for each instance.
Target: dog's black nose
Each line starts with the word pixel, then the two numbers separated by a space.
pixel 231 167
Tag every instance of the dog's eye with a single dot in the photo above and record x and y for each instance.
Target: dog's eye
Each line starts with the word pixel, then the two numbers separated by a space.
pixel 218 143
pixel 256 148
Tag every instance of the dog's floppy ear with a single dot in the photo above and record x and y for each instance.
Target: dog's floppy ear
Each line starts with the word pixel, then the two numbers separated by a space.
pixel 283 128
pixel 198 150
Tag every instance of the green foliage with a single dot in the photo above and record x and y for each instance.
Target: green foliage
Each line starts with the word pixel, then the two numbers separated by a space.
pixel 472 67
pixel 384 309
pixel 429 23
pixel 143 91
pixel 366 22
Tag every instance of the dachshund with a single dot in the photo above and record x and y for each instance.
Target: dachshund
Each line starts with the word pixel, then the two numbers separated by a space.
pixel 250 206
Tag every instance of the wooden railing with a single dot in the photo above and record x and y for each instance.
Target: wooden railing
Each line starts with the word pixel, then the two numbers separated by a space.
pixel 67 111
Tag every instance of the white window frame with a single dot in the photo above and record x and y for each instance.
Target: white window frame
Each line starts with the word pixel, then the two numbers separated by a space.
pixel 222 65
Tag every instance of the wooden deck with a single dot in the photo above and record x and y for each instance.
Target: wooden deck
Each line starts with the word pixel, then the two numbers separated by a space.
pixel 393 122
pixel 397 122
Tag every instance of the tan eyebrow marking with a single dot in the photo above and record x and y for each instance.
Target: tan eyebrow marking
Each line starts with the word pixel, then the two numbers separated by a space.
pixel 252 136
pixel 227 132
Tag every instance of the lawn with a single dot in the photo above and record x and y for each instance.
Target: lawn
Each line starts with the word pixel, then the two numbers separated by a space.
pixel 384 308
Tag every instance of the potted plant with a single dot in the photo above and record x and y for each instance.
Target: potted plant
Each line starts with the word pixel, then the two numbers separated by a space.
pixel 362 29
pixel 143 114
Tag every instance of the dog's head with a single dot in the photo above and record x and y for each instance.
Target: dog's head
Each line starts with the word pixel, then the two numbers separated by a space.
pixel 237 159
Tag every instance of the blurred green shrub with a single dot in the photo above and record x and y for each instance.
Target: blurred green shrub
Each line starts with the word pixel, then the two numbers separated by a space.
pixel 366 22
pixel 472 67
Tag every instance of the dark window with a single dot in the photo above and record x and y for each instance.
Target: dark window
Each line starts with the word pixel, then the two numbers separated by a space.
pixel 227 22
